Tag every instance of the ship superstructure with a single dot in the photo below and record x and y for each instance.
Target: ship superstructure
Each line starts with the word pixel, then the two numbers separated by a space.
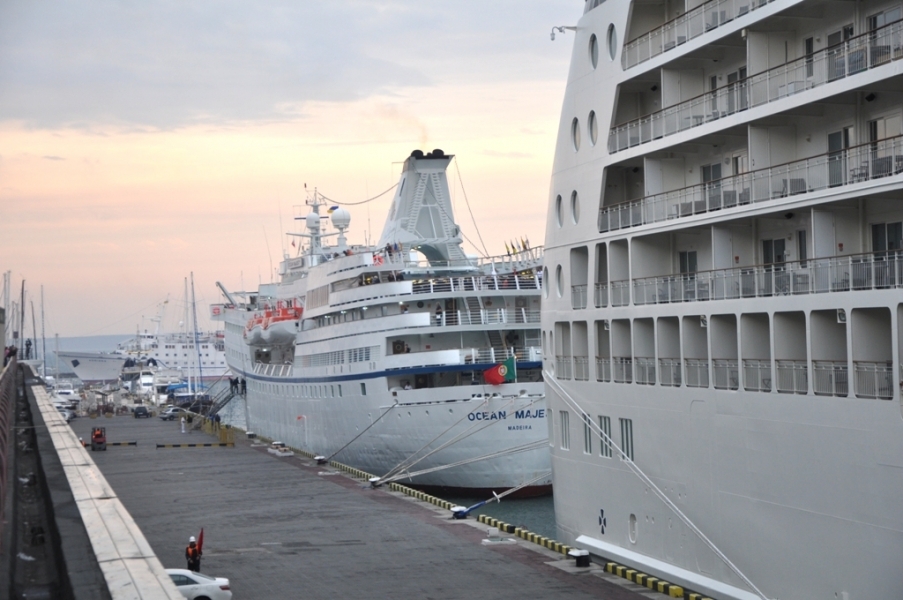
pixel 375 355
pixel 722 308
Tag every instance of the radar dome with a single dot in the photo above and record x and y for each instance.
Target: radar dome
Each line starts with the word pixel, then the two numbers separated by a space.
pixel 312 220
pixel 341 218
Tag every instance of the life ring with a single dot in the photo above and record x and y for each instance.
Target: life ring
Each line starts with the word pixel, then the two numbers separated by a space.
pixel 377 260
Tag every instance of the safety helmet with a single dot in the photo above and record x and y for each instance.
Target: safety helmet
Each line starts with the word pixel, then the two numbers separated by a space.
pixel 191 539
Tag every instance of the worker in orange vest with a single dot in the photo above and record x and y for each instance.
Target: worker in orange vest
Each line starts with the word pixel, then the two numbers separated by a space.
pixel 193 555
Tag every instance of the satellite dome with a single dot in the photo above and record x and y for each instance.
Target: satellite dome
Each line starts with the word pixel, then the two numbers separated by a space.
pixel 312 220
pixel 341 218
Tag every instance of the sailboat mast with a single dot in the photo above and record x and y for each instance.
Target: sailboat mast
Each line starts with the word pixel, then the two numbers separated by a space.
pixel 194 315
pixel 43 338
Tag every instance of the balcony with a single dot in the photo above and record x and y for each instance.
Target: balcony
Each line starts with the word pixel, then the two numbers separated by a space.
pixel 866 162
pixel 873 380
pixel 578 296
pixel 622 369
pixel 697 373
pixel 670 371
pixel 564 367
pixel 687 26
pixel 600 295
pixel 856 272
pixel 603 369
pixel 757 375
pixel 581 368
pixel 727 374
pixel 829 378
pixel 793 376
pixel 856 55
pixel 644 370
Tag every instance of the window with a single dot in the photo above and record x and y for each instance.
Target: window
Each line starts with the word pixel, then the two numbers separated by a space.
pixel 809 49
pixel 587 434
pixel 565 430
pixel 605 427
pixel 575 133
pixel 627 437
pixel 594 50
pixel 801 247
pixel 887 236
pixel 363 389
pixel 736 91
pixel 612 42
pixel 688 262
pixel 838 142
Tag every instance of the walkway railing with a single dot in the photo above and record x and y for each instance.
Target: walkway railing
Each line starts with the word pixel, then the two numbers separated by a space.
pixel 670 371
pixel 563 367
pixel 830 378
pixel 873 379
pixel 622 369
pixel 603 369
pixel 7 418
pixel 687 26
pixel 867 271
pixel 756 375
pixel 644 370
pixel 865 162
pixel 697 372
pixel 581 368
pixel 856 55
pixel 793 376
pixel 727 374
pixel 515 281
pixel 578 296
pixel 600 295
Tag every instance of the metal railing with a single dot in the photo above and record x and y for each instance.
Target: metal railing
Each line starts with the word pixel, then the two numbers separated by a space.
pixel 514 281
pixel 864 162
pixel 830 378
pixel 792 376
pixel 670 371
pixel 697 372
pixel 856 272
pixel 7 419
pixel 855 55
pixel 687 26
pixel 873 379
pixel 487 316
pixel 600 296
pixel 563 367
pixel 603 369
pixel 622 369
pixel 578 296
pixel 756 375
pixel 644 370
pixel 581 368
pixel 726 373
pixel 273 370
pixel 620 293
pixel 491 355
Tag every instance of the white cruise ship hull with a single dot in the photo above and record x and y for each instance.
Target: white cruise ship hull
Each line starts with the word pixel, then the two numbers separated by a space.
pixel 93 367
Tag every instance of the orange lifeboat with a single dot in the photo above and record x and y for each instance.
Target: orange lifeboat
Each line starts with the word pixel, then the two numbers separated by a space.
pixel 275 324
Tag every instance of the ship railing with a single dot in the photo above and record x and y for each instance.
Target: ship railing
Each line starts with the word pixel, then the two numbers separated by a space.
pixel 830 378
pixel 600 295
pixel 513 281
pixel 272 369
pixel 690 25
pixel 697 372
pixel 866 271
pixel 563 367
pixel 855 55
pixel 644 370
pixel 7 422
pixel 865 162
pixel 873 379
pixel 488 316
pixel 578 296
pixel 522 258
pixel 581 368
pixel 756 375
pixel 726 373
pixel 792 376
pixel 622 369
pixel 493 355
pixel 670 371
pixel 603 369
pixel 620 293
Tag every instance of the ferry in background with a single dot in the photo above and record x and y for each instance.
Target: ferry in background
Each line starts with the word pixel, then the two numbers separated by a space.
pixel 722 317
pixel 376 355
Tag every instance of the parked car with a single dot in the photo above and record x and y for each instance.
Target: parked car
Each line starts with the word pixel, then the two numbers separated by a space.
pixel 67 414
pixel 197 585
pixel 173 412
pixel 141 411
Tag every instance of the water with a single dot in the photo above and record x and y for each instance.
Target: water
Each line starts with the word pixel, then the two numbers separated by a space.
pixel 534 514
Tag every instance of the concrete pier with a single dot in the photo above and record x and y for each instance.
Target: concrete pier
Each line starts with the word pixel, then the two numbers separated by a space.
pixel 287 528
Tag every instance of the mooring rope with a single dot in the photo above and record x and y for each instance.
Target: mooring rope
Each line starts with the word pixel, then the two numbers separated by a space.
pixel 388 410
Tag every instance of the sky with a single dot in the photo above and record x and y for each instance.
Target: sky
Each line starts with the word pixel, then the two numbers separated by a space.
pixel 145 142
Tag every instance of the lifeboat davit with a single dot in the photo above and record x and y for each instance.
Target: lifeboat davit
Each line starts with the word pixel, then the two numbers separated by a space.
pixel 276 325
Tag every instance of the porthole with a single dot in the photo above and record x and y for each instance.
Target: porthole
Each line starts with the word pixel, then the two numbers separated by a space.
pixel 593 127
pixel 575 133
pixel 593 50
pixel 631 528
pixel 575 207
pixel 559 281
pixel 612 41
pixel 545 282
pixel 558 209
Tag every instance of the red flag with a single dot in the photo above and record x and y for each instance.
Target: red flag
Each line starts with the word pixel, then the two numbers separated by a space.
pixel 501 373
pixel 201 539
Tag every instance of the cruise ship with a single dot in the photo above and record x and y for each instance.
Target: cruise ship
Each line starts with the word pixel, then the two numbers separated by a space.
pixel 722 313
pixel 408 359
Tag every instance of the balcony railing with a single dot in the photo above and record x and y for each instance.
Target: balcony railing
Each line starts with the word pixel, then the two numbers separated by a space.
pixel 578 296
pixel 514 281
pixel 622 369
pixel 669 371
pixel 697 373
pixel 687 26
pixel 756 375
pixel 603 369
pixel 830 378
pixel 644 370
pixel 564 367
pixel 856 55
pixel 865 162
pixel 868 271
pixel 487 316
pixel 581 368
pixel 727 374
pixel 620 293
pixel 793 376
pixel 600 296
pixel 873 379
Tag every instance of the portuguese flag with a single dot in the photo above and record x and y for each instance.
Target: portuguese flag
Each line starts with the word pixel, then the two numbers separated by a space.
pixel 502 372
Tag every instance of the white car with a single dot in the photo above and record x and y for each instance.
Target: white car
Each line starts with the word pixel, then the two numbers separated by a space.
pixel 198 586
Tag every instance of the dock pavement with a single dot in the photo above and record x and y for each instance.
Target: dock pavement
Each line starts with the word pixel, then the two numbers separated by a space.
pixel 288 528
